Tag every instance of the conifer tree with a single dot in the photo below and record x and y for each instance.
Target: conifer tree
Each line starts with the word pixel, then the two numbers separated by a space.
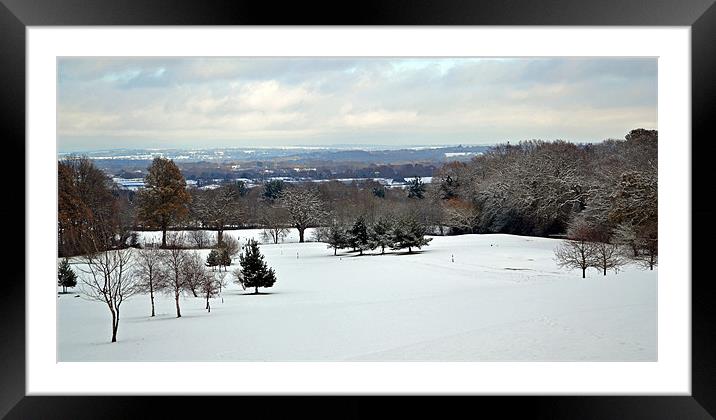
pixel 358 235
pixel 380 235
pixel 65 276
pixel 336 237
pixel 409 233
pixel 254 271
pixel 416 188
pixel 212 260
pixel 224 258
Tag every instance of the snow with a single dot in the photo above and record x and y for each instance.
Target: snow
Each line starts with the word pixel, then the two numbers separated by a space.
pixel 502 299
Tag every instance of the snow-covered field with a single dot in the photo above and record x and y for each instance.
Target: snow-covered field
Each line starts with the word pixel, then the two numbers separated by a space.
pixel 502 299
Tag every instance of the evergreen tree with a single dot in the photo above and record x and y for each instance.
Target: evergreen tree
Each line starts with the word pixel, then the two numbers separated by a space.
pixel 358 235
pixel 336 237
pixel 224 258
pixel 409 233
pixel 65 276
pixel 212 260
pixel 254 271
pixel 381 235
pixel 379 192
pixel 416 188
pixel 273 189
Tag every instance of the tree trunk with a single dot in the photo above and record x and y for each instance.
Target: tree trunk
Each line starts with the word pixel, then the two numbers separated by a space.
pixel 382 250
pixel 300 234
pixel 584 270
pixel 605 270
pixel 115 324
pixel 335 251
pixel 219 237
pixel 151 296
pixel 176 298
pixel 410 250
pixel 164 237
pixel 256 290
pixel 361 252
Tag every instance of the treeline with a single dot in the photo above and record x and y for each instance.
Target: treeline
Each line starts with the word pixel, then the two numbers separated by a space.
pixel 531 188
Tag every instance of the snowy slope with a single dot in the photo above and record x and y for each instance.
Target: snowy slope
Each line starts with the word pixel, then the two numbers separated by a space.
pixel 503 298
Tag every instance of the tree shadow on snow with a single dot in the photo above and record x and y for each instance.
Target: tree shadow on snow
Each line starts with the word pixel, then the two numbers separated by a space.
pixel 257 294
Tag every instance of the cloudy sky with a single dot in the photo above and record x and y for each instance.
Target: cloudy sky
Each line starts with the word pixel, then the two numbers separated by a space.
pixel 106 103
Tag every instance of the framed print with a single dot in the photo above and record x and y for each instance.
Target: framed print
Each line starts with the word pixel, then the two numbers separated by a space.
pixel 464 206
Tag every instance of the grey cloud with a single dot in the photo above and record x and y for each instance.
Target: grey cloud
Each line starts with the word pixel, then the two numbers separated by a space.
pixel 221 101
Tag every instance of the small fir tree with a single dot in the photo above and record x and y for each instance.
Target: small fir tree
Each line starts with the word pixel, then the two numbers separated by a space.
pixel 254 271
pixel 416 188
pixel 336 237
pixel 65 276
pixel 381 234
pixel 358 235
pixel 224 258
pixel 212 260
pixel 409 233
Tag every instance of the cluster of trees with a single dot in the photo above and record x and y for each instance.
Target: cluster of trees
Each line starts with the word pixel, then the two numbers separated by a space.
pixel 532 188
pixel 590 245
pixel 91 213
pixel 111 276
pixel 538 188
pixel 386 232
pixel 95 215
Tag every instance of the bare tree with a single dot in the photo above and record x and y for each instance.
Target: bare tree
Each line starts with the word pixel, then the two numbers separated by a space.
pixel 193 271
pixel 222 281
pixel 199 239
pixel 210 286
pixel 607 256
pixel 218 208
pixel 273 220
pixel 304 207
pixel 648 246
pixel 108 278
pixel 460 215
pixel 578 251
pixel 625 234
pixel 174 260
pixel 151 273
pixel 575 254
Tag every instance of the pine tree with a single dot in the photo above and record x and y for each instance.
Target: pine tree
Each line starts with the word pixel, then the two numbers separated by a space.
pixel 336 237
pixel 416 188
pixel 381 234
pixel 212 260
pixel 254 271
pixel 358 235
pixel 409 233
pixel 65 276
pixel 224 258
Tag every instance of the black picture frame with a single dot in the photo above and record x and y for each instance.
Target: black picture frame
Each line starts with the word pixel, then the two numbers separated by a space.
pixel 16 15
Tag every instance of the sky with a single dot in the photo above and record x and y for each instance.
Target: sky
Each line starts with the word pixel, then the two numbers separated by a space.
pixel 193 102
